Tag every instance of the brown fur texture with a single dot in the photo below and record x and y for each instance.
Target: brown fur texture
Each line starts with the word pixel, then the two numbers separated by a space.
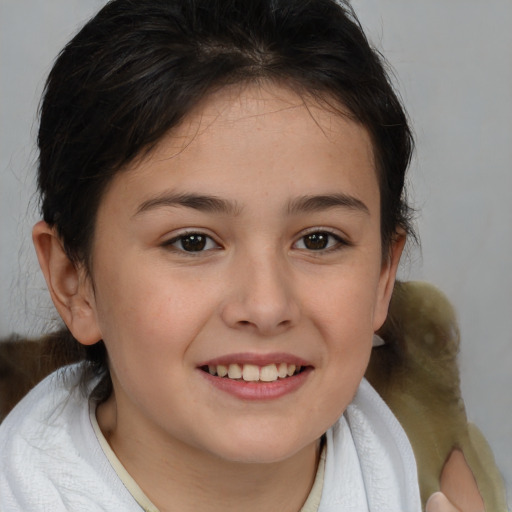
pixel 415 372
pixel 417 375
pixel 24 363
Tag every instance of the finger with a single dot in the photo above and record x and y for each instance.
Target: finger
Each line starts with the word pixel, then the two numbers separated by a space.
pixel 438 502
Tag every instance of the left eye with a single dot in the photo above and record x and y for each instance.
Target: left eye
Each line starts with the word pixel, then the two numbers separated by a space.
pixel 192 242
pixel 318 241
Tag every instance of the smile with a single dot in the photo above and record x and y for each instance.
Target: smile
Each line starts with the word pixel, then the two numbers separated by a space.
pixel 256 377
pixel 252 372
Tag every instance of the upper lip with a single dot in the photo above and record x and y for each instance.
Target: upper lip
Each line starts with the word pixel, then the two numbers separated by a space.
pixel 255 359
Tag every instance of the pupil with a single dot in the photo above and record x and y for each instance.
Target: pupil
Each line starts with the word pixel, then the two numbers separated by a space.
pixel 316 241
pixel 193 242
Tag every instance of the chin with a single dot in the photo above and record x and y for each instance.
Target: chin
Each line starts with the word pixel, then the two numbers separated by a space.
pixel 263 450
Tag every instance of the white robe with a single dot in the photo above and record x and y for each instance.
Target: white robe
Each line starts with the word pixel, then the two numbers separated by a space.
pixel 51 459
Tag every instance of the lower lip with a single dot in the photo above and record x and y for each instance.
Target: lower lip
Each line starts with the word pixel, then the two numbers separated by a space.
pixel 258 390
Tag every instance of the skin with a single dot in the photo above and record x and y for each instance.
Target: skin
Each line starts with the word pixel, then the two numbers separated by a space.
pixel 459 485
pixel 464 496
pixel 438 502
pixel 255 289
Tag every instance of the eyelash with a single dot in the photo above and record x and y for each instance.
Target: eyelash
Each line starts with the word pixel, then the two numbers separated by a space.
pixel 334 242
pixel 337 241
pixel 171 244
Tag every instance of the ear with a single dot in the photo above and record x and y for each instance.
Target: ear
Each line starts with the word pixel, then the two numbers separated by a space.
pixel 387 278
pixel 69 285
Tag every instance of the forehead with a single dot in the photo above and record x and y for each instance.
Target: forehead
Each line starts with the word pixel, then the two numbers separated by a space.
pixel 265 106
pixel 259 138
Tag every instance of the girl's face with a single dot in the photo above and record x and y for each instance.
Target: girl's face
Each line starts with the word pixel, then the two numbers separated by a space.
pixel 248 242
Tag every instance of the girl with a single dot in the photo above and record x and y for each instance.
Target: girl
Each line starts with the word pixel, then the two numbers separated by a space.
pixel 223 215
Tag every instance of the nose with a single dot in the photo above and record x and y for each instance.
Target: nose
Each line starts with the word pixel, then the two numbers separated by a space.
pixel 262 298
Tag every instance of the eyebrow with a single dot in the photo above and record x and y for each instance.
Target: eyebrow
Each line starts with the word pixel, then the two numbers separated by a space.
pixel 213 204
pixel 316 203
pixel 203 203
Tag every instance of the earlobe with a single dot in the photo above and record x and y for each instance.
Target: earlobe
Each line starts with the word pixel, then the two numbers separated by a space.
pixel 387 278
pixel 69 287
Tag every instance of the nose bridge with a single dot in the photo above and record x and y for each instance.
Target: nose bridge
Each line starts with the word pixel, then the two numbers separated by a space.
pixel 263 298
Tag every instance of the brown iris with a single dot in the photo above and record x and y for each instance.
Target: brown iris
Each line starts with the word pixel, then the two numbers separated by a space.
pixel 193 242
pixel 316 241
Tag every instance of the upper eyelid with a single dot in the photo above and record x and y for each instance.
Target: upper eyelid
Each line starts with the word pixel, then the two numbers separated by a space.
pixel 319 229
pixel 169 241
pixel 177 234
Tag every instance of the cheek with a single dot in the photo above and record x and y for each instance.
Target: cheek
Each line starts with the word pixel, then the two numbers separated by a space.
pixel 149 311
pixel 344 316
pixel 345 301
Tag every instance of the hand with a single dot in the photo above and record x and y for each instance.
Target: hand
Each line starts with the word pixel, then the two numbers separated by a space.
pixel 458 487
pixel 438 502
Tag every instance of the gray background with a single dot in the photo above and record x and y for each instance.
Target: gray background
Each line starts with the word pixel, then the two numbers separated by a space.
pixel 453 61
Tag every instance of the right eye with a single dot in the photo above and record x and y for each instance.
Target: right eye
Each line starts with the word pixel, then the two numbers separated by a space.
pixel 320 241
pixel 192 242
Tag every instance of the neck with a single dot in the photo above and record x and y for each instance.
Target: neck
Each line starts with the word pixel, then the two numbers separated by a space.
pixel 176 476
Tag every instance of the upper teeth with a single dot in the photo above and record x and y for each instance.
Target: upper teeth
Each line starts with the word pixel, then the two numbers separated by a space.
pixel 253 373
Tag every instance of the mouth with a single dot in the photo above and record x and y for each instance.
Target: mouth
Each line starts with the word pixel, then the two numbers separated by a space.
pixel 252 372
pixel 257 377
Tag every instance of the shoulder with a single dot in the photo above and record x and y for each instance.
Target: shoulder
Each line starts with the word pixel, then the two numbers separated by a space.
pixel 49 455
pixel 35 433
